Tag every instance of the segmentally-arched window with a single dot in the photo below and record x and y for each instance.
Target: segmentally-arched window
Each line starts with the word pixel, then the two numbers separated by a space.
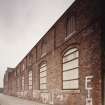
pixel 71 69
pixel 43 76
pixel 23 82
pixel 30 79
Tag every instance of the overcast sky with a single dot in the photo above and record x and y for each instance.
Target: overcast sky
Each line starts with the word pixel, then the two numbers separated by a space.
pixel 22 24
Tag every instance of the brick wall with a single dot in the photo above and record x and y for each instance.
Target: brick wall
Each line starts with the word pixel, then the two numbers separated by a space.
pixel 51 48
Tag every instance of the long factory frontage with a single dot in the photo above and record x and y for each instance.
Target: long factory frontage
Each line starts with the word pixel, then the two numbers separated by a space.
pixel 66 66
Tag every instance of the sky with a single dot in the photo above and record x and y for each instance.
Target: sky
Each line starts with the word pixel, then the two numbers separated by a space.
pixel 22 24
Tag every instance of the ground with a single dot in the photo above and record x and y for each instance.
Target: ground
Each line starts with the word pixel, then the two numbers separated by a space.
pixel 10 100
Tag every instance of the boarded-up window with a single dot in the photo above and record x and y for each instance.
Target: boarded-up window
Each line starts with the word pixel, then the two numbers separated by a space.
pixel 23 67
pixel 43 77
pixel 30 79
pixel 30 59
pixel 18 84
pixel 18 70
pixel 71 69
pixel 23 82
pixel 43 47
pixel 70 25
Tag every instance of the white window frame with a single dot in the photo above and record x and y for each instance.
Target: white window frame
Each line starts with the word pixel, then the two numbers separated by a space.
pixel 30 80
pixel 43 76
pixel 71 57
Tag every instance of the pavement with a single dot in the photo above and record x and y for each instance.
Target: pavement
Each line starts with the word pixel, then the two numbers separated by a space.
pixel 10 100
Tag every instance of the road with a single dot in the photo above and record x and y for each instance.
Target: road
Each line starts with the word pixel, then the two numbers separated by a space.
pixel 10 100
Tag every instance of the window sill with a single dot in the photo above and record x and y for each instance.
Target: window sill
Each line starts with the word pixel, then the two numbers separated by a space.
pixel 71 91
pixel 70 35
pixel 43 91
pixel 44 54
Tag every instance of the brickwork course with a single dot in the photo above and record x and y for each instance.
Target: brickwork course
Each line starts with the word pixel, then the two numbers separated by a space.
pixel 81 27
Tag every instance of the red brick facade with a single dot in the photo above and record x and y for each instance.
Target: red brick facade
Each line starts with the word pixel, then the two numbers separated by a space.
pixel 80 28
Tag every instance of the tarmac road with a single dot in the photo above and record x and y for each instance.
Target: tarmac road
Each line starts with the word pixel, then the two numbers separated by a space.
pixel 10 100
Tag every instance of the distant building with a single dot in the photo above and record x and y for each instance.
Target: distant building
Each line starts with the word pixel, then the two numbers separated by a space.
pixel 66 66
pixel 8 82
pixel 1 90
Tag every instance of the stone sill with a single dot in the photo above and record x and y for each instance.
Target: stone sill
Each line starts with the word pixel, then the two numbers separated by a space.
pixel 71 91
pixel 63 91
pixel 70 35
pixel 44 54
pixel 43 91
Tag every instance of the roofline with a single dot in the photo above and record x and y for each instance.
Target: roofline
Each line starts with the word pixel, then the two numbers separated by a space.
pixel 68 10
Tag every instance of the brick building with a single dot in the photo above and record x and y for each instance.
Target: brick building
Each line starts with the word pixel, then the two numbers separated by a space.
pixel 66 66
